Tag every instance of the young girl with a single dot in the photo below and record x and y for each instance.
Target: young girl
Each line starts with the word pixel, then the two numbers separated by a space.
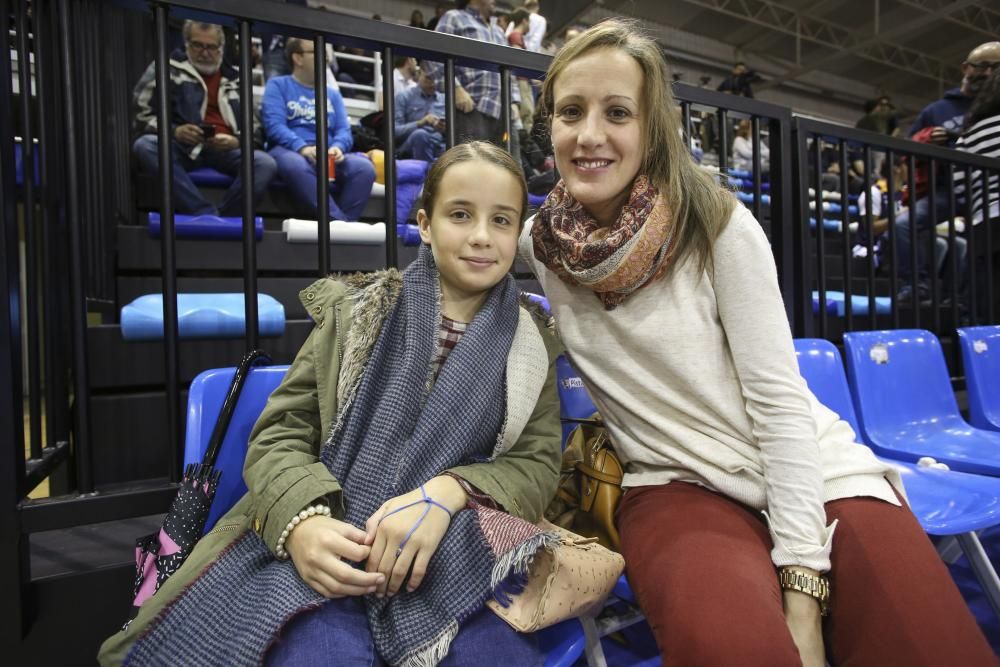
pixel 746 500
pixel 419 418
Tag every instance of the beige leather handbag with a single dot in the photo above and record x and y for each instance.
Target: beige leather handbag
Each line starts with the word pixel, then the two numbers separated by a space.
pixel 570 579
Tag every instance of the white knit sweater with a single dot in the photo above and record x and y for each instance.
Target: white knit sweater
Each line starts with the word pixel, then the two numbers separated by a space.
pixel 697 379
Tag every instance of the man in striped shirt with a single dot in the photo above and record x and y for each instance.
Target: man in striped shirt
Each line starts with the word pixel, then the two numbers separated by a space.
pixel 477 92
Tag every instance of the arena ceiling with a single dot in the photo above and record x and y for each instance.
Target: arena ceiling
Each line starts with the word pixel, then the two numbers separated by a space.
pixel 905 48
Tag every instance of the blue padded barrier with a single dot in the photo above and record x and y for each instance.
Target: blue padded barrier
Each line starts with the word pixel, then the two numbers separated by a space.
pixel 409 234
pixel 981 360
pixel 200 316
pixel 829 224
pixel 747 198
pixel 859 303
pixel 19 164
pixel 905 405
pixel 206 227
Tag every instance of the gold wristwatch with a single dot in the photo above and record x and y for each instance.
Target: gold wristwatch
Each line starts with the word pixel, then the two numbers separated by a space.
pixel 814 585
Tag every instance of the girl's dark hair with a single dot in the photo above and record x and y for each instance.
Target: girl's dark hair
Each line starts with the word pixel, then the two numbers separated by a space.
pixel 470 152
pixel 986 103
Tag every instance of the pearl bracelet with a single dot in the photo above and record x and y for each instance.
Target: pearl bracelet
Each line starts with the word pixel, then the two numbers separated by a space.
pixel 312 510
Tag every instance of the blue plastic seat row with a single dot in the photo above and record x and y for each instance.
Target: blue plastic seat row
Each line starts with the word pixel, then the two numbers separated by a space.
pixel 836 304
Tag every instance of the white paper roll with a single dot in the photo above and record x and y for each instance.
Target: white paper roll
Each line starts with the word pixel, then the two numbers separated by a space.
pixel 356 233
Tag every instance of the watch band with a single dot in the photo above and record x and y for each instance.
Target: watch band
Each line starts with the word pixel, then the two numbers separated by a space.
pixel 813 585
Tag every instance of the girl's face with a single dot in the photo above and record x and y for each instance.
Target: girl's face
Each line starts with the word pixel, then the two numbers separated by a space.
pixel 597 129
pixel 474 228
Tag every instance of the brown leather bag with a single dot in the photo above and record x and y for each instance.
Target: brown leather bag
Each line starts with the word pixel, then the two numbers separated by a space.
pixel 590 485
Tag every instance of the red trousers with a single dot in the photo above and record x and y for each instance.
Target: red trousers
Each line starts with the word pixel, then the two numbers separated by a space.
pixel 700 566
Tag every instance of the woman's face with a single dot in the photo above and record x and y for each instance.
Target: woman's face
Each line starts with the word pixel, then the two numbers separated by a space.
pixel 597 129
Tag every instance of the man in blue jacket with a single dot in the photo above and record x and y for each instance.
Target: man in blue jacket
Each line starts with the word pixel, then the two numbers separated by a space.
pixel 289 116
pixel 205 122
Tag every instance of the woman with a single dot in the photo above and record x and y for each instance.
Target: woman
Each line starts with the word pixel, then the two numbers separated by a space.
pixel 743 150
pixel 420 405
pixel 664 292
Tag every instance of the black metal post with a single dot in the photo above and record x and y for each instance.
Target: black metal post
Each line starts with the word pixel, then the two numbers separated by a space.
pixel 988 226
pixel 953 259
pixel 505 103
pixel 820 235
pixel 931 241
pixel 31 310
pixel 890 252
pixel 724 145
pixel 167 244
pixel 971 239
pixel 389 113
pixel 449 100
pixel 870 235
pixel 322 146
pixel 78 318
pixel 246 176
pixel 14 552
pixel 756 176
pixel 911 169
pixel 785 234
pixel 846 236
pixel 686 122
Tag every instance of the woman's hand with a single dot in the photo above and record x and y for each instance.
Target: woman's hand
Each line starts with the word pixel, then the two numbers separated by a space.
pixel 319 546
pixel 802 613
pixel 386 531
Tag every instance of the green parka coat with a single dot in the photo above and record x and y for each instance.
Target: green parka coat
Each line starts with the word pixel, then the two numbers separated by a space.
pixel 282 468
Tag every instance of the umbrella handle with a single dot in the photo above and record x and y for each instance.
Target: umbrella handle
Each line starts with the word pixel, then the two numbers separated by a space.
pixel 229 406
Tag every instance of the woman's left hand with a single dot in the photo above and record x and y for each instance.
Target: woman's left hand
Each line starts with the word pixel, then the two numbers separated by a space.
pixel 386 534
pixel 802 614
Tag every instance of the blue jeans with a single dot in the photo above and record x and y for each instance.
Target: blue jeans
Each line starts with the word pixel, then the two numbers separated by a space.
pixel 337 634
pixel 422 144
pixel 187 198
pixel 350 191
pixel 924 223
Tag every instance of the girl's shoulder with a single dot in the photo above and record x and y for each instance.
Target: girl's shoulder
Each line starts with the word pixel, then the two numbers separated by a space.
pixel 338 287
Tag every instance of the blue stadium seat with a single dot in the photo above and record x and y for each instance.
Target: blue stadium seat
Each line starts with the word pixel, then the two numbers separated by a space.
pixel 563 643
pixel 905 405
pixel 205 398
pixel 981 360
pixel 205 227
pixel 946 503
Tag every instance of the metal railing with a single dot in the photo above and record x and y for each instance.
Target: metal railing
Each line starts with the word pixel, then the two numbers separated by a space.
pixel 902 284
pixel 79 117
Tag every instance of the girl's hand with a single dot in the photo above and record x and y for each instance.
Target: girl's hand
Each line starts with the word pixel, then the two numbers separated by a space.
pixel 319 546
pixel 387 530
pixel 802 613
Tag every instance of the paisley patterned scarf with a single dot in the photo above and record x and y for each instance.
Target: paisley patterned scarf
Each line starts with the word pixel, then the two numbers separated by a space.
pixel 611 261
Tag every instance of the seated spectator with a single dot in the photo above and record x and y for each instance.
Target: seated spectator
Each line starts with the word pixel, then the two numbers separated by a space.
pixel 289 115
pixel 520 20
pixel 880 116
pixel 205 115
pixel 743 150
pixel 419 121
pixel 404 74
pixel 417 19
pixel 353 71
pixel 739 80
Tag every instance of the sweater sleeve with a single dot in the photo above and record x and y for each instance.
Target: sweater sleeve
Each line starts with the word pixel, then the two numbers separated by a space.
pixel 274 115
pixel 760 341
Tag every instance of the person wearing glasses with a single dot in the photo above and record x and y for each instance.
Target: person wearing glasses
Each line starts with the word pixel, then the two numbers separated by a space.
pixel 288 112
pixel 939 123
pixel 204 120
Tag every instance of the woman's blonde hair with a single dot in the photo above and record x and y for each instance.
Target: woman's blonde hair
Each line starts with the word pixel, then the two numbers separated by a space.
pixel 699 206
pixel 469 152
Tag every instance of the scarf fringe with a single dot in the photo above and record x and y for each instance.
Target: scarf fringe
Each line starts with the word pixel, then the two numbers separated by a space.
pixel 430 654
pixel 511 571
